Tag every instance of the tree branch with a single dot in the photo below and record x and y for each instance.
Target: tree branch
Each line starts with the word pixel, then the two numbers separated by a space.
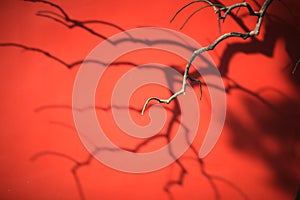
pixel 260 14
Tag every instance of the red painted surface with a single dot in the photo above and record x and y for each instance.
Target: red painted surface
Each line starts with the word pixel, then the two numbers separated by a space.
pixel 258 152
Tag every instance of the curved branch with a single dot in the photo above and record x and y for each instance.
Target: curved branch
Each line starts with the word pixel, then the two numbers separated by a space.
pixel 191 15
pixel 196 1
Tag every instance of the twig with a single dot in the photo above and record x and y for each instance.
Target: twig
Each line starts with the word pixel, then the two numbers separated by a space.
pixel 196 1
pixel 296 66
pixel 209 4
pixel 191 15
pixel 200 83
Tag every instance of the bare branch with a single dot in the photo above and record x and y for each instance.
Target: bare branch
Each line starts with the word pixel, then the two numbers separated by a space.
pixel 228 9
pixel 260 14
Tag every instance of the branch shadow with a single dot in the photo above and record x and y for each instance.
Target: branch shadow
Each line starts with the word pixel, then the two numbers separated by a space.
pixel 167 136
pixel 275 140
pixel 265 47
pixel 275 29
pixel 274 137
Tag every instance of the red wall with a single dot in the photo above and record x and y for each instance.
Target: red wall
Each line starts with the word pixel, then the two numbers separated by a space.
pixel 257 156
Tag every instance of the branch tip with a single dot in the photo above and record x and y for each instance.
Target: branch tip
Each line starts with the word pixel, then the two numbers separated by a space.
pixel 295 67
pixel 147 102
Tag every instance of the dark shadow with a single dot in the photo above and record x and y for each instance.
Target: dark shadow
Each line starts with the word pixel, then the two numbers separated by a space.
pixel 298 194
pixel 280 128
pixel 274 139
pixel 276 122
pixel 275 29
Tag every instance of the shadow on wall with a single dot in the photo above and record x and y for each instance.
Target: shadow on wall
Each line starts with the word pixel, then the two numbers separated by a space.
pixel 273 138
pixel 275 29
pixel 274 135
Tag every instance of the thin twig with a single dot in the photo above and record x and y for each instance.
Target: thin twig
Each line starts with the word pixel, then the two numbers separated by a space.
pixel 191 15
pixel 200 83
pixel 187 5
pixel 296 66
